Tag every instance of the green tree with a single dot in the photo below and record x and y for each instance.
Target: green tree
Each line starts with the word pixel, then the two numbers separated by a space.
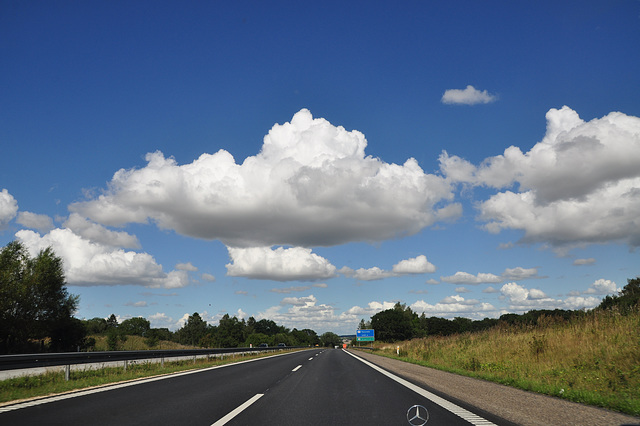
pixel 230 332
pixel 256 339
pixel 112 321
pixel 364 325
pixel 193 330
pixel 626 299
pixel 113 339
pixel 137 326
pixel 304 337
pixel 268 327
pixel 95 325
pixel 398 323
pixel 330 339
pixel 35 303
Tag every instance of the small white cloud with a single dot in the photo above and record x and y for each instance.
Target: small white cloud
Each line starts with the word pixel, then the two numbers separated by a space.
pixel 466 278
pixel 580 262
pixel 288 290
pixel 299 301
pixel 362 274
pixel 39 222
pixel 208 277
pixel 306 312
pixel 603 287
pixel 162 320
pixel 415 265
pixel 522 299
pixel 452 306
pixel 8 208
pixel 468 96
pixel 141 304
pixel 371 309
pixel 186 267
pixel 518 273
pixel 291 264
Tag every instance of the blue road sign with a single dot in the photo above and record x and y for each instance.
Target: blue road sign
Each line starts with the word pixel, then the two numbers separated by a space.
pixel 365 335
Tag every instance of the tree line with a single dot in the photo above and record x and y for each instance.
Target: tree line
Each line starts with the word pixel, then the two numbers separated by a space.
pixel 401 323
pixel 230 332
pixel 36 315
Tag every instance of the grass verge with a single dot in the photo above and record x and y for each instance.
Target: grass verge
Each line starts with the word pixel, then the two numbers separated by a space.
pixel 594 359
pixel 51 383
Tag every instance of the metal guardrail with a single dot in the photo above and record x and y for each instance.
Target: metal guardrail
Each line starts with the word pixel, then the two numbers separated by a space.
pixel 14 362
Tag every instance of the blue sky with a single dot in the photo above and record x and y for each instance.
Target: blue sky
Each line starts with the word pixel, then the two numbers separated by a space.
pixel 314 164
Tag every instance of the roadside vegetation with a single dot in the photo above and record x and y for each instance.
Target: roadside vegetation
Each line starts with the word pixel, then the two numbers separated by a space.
pixel 588 357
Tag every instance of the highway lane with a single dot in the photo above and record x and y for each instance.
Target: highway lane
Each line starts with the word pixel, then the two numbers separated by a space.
pixel 311 387
pixel 336 388
pixel 199 398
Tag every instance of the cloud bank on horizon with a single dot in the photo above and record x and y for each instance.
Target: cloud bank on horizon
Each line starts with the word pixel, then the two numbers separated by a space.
pixel 313 185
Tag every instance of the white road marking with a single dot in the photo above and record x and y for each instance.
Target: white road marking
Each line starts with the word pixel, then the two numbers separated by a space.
pixel 310 359
pixel 297 368
pixel 450 406
pixel 238 410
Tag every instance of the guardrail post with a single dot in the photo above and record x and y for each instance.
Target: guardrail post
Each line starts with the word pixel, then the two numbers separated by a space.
pixel 67 372
pixel 162 362
pixel 194 359
pixel 125 365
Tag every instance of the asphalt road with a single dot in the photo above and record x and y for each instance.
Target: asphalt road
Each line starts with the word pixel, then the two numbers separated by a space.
pixel 312 387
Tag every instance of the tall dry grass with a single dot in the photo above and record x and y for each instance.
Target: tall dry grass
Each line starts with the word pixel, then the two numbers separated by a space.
pixel 593 359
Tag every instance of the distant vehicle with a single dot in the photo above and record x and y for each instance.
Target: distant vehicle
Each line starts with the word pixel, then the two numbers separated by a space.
pixel 282 345
pixel 263 345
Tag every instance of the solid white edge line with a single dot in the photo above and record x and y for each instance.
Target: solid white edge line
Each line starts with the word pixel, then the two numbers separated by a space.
pixel 238 410
pixel 450 406
pixel 74 394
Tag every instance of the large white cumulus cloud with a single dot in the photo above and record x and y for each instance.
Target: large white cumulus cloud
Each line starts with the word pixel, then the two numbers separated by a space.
pixel 8 208
pixel 580 184
pixel 87 263
pixel 310 185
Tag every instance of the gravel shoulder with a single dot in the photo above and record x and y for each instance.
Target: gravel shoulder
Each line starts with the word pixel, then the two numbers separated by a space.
pixel 514 405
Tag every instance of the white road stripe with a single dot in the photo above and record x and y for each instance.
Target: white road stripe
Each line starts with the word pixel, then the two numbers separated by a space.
pixel 459 411
pixel 297 368
pixel 238 410
pixel 310 359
